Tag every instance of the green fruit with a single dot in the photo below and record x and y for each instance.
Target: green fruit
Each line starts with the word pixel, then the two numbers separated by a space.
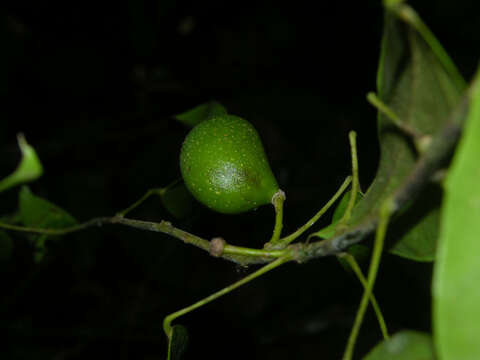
pixel 225 167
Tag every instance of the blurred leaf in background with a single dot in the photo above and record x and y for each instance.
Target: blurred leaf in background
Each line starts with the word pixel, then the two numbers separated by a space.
pixel 29 169
pixel 39 213
pixel 201 113
pixel 405 345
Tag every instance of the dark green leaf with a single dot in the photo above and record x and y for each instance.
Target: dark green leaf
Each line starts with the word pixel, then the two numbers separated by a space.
pixel 415 231
pixel 177 200
pixel 360 252
pixel 324 233
pixel 457 269
pixel 342 206
pixel 29 169
pixel 40 213
pixel 329 230
pixel 6 246
pixel 405 345
pixel 414 83
pixel 201 113
pixel 178 342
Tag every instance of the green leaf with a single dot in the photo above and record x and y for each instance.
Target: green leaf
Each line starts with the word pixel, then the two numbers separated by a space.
pixel 324 233
pixel 415 84
pixel 414 233
pixel 177 200
pixel 456 291
pixel 360 252
pixel 29 168
pixel 343 204
pixel 6 246
pixel 40 213
pixel 329 231
pixel 405 345
pixel 201 113
pixel 177 343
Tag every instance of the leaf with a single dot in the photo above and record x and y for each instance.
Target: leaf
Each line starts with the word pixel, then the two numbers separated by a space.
pixel 201 113
pixel 360 252
pixel 29 168
pixel 6 246
pixel 177 343
pixel 40 213
pixel 175 197
pixel 456 292
pixel 329 230
pixel 177 200
pixel 342 206
pixel 415 231
pixel 405 345
pixel 414 82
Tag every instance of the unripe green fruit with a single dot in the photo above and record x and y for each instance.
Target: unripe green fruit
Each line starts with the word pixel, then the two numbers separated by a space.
pixel 225 167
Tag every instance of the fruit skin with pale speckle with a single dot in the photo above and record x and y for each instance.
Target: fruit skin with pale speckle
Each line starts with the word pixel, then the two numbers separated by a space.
pixel 224 165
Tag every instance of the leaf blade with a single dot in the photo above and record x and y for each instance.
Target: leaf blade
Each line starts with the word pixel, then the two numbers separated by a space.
pixel 177 342
pixel 414 83
pixel 411 345
pixel 36 212
pixel 455 292
pixel 201 113
pixel 30 168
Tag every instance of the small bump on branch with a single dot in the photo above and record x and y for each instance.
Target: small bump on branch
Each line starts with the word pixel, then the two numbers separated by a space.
pixel 217 245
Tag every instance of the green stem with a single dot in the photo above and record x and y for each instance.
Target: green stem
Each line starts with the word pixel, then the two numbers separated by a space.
pixel 388 112
pixel 407 14
pixel 381 231
pixel 158 191
pixel 237 254
pixel 238 250
pixel 283 242
pixel 166 227
pixel 352 136
pixel 277 200
pixel 421 141
pixel 358 272
pixel 136 204
pixel 168 320
pixel 63 231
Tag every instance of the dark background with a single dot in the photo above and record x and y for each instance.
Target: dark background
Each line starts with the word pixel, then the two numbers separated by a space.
pixel 93 86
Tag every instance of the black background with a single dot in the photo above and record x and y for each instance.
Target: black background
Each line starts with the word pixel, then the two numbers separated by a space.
pixel 93 86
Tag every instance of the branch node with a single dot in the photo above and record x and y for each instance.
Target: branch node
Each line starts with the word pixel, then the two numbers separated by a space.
pixel 167 224
pixel 216 246
pixel 422 142
pixel 279 195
